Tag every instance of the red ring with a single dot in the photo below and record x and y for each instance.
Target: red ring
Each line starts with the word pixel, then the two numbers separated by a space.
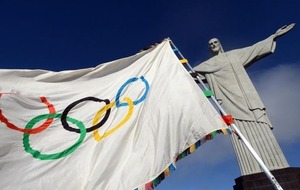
pixel 44 126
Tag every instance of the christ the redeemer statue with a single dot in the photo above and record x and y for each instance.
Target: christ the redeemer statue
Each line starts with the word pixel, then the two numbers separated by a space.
pixel 227 78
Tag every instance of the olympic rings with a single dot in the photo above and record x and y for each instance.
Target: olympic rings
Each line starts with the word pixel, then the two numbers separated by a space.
pixel 113 129
pixel 95 126
pixel 37 154
pixel 125 84
pixel 42 127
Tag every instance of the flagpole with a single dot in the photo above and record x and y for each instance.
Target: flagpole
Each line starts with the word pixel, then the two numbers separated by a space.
pixel 232 125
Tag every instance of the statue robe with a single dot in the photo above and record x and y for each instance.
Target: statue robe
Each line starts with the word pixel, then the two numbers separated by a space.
pixel 227 78
pixel 232 87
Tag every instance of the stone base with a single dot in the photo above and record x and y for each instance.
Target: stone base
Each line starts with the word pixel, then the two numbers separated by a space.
pixel 288 178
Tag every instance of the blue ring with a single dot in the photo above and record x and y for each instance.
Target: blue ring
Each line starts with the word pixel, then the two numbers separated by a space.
pixel 131 80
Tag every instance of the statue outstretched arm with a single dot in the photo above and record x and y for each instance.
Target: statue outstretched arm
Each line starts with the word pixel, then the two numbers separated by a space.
pixel 283 30
pixel 262 48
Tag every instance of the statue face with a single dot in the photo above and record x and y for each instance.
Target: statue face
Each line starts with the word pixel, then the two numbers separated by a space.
pixel 214 46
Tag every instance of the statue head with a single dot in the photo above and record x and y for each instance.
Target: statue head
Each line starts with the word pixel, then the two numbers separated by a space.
pixel 215 46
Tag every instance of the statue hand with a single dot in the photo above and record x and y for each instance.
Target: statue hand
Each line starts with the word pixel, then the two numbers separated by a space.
pixel 283 30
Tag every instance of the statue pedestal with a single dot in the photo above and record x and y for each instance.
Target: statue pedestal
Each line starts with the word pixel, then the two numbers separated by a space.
pixel 288 178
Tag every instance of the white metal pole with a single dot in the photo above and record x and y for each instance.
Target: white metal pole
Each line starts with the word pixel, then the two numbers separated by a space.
pixel 236 130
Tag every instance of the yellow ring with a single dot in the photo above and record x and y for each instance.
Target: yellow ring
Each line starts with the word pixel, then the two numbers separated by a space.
pixel 98 115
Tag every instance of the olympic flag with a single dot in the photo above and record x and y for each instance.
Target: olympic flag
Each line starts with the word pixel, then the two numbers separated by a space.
pixel 120 125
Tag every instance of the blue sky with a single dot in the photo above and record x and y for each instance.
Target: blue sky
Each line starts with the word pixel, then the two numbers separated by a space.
pixel 63 35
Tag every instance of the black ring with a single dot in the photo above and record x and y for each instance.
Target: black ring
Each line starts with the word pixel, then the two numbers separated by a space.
pixel 69 107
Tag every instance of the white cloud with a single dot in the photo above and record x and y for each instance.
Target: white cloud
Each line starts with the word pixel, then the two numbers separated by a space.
pixel 279 88
pixel 216 153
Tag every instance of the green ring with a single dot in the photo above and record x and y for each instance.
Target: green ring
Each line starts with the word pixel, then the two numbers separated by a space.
pixel 37 154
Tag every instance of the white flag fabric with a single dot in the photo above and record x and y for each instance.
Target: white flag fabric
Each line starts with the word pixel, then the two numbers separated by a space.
pixel 119 125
